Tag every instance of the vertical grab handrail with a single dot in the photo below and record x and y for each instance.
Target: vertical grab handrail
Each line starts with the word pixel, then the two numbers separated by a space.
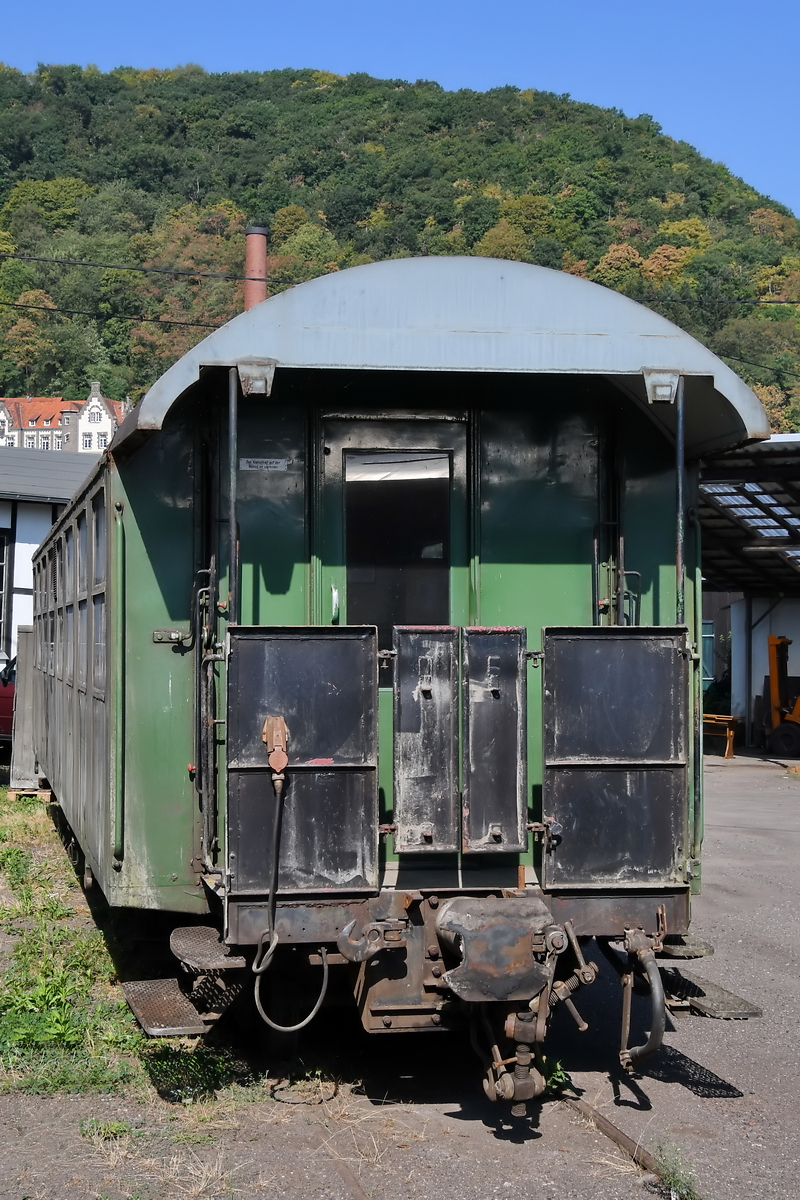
pixel 680 531
pixel 233 543
pixel 119 686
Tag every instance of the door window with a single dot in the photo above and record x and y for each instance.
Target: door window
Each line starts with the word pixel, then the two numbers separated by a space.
pixel 397 540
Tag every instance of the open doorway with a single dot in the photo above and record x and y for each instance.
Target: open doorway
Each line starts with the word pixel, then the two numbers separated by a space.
pixel 397 539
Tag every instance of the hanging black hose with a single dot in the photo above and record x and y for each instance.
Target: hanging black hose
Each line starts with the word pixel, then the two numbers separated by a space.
pixel 264 955
pixel 629 1058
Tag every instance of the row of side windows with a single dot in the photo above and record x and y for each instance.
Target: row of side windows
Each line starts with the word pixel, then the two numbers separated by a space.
pixel 69 601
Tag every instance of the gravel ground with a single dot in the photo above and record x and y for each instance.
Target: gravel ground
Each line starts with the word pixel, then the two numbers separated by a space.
pixel 723 1093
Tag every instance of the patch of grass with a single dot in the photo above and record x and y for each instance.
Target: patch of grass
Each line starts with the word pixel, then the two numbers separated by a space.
pixel 93 1127
pixel 182 1075
pixel 677 1178
pixel 192 1137
pixel 15 863
pixel 47 1072
pixel 61 1030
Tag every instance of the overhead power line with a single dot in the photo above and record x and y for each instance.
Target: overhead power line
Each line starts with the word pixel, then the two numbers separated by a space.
pixel 182 271
pixel 762 366
pixel 706 300
pixel 82 312
pixel 77 262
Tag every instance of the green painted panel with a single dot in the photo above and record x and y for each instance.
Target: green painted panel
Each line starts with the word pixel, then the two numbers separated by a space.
pixel 538 511
pixel 271 508
pixel 160 811
pixel 648 513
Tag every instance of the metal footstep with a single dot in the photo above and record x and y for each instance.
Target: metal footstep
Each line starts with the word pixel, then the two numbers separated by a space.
pixel 707 999
pixel 199 948
pixel 684 945
pixel 162 1009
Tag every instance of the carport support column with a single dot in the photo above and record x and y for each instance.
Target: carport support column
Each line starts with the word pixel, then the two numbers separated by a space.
pixel 680 471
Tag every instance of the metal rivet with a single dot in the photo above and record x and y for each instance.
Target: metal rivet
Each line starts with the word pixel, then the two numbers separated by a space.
pixel 436 972
pixel 436 1019
pixel 433 901
pixel 387 1021
pixel 433 951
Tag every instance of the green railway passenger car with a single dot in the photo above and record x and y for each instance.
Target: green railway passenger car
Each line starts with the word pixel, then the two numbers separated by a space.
pixel 373 644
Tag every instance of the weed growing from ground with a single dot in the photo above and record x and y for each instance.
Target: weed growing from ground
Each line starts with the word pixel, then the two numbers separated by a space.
pixel 677 1179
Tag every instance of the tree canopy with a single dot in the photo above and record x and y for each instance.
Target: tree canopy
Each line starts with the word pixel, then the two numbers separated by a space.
pixel 166 168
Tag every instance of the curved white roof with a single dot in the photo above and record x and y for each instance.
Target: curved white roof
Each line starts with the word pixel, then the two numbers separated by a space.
pixel 474 314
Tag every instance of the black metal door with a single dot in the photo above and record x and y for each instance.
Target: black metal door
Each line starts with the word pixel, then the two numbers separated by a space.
pixel 493 748
pixel 615 755
pixel 426 739
pixel 323 682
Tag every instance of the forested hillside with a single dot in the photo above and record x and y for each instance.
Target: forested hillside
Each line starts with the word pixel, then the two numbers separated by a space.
pixel 165 169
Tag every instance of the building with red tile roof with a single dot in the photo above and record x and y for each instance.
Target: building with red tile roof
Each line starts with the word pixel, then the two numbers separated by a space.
pixel 53 423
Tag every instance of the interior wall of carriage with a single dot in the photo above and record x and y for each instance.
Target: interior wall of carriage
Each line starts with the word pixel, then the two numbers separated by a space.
pixel 71 668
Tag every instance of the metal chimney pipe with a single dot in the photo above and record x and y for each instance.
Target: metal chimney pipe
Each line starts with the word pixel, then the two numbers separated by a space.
pixel 255 265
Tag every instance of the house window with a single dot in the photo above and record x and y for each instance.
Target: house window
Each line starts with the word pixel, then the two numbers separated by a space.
pixel 95 416
pixel 44 441
pixel 102 441
pixel 33 422
pixel 30 441
pixel 64 421
pixel 47 421
pixel 66 437
pixel 59 442
pixel 11 441
pixel 86 441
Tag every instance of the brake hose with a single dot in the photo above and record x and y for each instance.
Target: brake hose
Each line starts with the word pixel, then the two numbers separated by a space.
pixel 264 957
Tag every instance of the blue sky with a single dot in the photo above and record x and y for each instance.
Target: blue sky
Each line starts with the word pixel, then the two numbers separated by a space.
pixel 721 74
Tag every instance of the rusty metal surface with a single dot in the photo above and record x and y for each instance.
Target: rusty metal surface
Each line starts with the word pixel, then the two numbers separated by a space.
pixel 309 921
pixel 426 739
pixel 609 916
pixel 494 939
pixel 200 948
pixel 162 1009
pixel 493 748
pixel 615 753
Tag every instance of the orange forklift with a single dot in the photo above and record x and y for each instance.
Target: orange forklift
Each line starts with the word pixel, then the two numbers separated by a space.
pixel 781 709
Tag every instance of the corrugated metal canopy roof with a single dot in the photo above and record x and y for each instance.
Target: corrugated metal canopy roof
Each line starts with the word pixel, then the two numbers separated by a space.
pixel 750 518
pixel 476 315
pixel 52 476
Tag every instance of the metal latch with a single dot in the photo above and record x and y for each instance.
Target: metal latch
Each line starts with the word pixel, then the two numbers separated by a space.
pixel 174 637
pixel 493 674
pixel 425 677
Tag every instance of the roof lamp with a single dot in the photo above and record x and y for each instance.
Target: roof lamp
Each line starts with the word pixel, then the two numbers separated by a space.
pixel 662 386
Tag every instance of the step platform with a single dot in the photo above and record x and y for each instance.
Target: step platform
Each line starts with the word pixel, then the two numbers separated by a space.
pixel 684 945
pixel 163 1010
pixel 706 999
pixel 200 949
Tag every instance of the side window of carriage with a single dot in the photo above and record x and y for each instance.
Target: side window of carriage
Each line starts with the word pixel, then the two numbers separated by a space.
pixel 99 593
pixel 69 605
pixel 82 551
pixel 58 596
